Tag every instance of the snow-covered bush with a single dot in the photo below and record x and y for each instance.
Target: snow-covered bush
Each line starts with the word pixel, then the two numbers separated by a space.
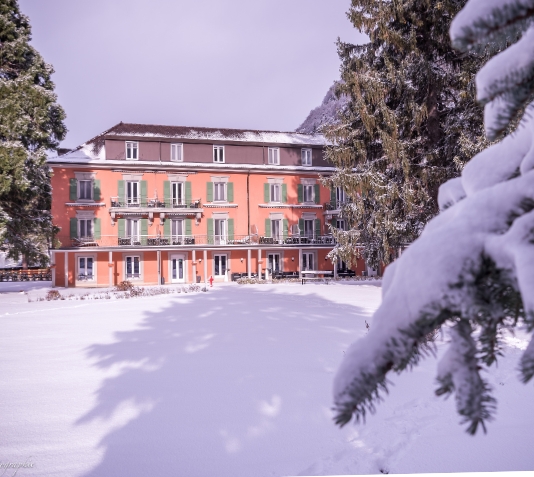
pixel 473 266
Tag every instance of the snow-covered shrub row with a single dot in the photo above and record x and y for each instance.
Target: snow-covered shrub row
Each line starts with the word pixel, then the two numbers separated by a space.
pixel 473 266
pixel 130 292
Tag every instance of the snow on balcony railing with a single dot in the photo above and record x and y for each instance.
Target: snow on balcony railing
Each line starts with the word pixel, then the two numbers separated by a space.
pixel 63 242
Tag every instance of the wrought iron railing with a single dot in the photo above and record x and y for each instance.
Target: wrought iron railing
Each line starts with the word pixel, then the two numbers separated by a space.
pixel 116 202
pixel 188 240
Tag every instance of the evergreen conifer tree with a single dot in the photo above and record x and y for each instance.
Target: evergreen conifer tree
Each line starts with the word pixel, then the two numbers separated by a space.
pixel 472 269
pixel 31 122
pixel 410 124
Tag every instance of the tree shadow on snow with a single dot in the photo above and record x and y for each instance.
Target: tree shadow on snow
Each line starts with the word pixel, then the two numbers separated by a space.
pixel 220 385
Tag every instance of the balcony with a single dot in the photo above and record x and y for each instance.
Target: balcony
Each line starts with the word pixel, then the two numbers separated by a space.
pixel 190 240
pixel 334 205
pixel 153 203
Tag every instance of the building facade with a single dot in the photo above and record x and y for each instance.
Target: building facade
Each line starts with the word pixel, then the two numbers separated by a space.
pixel 161 204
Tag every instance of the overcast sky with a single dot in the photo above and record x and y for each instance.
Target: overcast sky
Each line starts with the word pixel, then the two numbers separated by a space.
pixel 251 64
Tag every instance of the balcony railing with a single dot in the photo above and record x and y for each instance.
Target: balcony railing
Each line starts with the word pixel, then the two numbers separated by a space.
pixel 188 240
pixel 335 204
pixel 116 202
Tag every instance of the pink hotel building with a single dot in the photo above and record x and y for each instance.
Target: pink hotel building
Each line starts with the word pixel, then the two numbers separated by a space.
pixel 165 204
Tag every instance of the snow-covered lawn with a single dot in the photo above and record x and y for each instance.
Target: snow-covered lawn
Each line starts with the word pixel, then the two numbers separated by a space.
pixel 234 382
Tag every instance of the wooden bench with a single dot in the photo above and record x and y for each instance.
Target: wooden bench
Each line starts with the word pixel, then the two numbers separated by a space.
pixel 317 275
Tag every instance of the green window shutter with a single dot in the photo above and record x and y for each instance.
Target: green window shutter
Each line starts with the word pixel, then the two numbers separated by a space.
pixel 230 192
pixel 97 233
pixel 120 191
pixel 266 193
pixel 188 227
pixel 210 231
pixel 317 194
pixel 167 228
pixel 301 226
pixel 267 227
pixel 144 193
pixel 73 189
pixel 286 227
pixel 300 193
pixel 144 230
pixel 188 194
pixel 284 193
pixel 333 197
pixel 122 227
pixel 209 191
pixel 73 228
pixel 230 229
pixel 167 193
pixel 96 190
pixel 317 227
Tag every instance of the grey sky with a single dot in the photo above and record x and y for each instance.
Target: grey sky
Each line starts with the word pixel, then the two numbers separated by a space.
pixel 258 64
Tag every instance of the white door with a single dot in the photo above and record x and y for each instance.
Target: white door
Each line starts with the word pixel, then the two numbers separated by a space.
pixel 273 260
pixel 307 261
pixel 220 266
pixel 178 268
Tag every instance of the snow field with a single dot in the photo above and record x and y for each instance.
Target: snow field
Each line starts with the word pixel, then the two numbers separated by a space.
pixel 234 382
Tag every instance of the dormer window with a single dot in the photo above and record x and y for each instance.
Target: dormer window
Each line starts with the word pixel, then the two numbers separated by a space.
pixel 132 151
pixel 273 156
pixel 218 154
pixel 306 156
pixel 177 152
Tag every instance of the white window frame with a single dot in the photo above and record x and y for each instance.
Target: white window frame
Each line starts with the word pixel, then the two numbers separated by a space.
pixel 280 261
pixel 140 267
pixel 219 187
pixel 275 193
pixel 218 154
pixel 127 186
pixel 178 256
pixel 83 226
pixel 273 156
pixel 279 226
pixel 79 259
pixel 132 149
pixel 227 259
pixel 304 234
pixel 132 229
pixel 311 198
pixel 177 152
pixel 174 227
pixel 340 195
pixel 306 156
pixel 91 187
pixel 340 224
pixel 221 237
pixel 314 258
pixel 175 186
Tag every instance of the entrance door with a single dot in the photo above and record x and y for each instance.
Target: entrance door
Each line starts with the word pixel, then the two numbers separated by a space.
pixel 220 266
pixel 273 260
pixel 177 268
pixel 307 261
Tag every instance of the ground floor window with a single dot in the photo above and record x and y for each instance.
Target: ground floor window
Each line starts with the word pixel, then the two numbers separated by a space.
pixel 308 261
pixel 85 268
pixel 133 268
pixel 220 265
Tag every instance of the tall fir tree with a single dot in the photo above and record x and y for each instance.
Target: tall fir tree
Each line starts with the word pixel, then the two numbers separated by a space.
pixel 31 123
pixel 472 269
pixel 410 124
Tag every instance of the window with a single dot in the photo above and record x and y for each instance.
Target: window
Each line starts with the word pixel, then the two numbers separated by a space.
pixel 132 193
pixel 177 151
pixel 177 193
pixel 219 265
pixel 309 195
pixel 306 156
pixel 177 228
pixel 133 268
pixel 85 268
pixel 132 229
pixel 308 228
pixel 276 229
pixel 219 191
pixel 131 151
pixel 308 261
pixel 85 228
pixel 273 155
pixel 275 192
pixel 220 231
pixel 340 195
pixel 85 190
pixel 273 262
pixel 218 153
pixel 340 224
